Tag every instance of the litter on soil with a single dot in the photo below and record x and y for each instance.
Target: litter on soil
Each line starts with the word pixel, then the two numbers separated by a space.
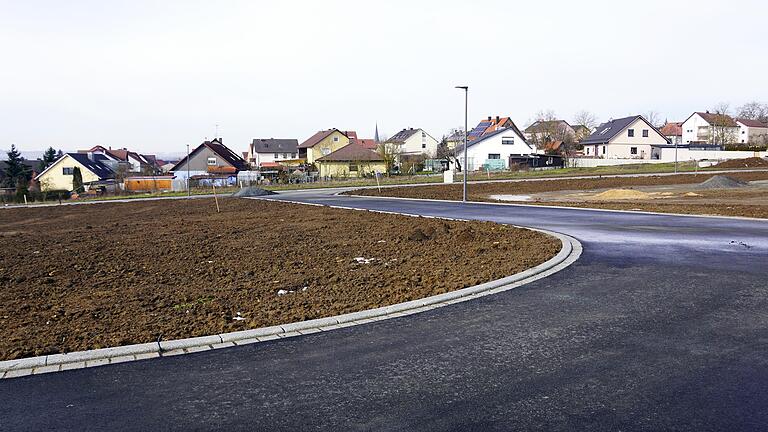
pixel 721 182
pixel 252 191
pixel 622 194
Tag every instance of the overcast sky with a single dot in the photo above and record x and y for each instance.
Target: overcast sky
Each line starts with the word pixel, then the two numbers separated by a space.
pixel 154 76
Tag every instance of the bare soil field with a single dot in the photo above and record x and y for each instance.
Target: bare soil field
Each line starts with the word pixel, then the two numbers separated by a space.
pixel 101 275
pixel 671 193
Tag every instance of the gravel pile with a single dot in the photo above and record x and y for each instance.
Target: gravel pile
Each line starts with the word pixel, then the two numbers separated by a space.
pixel 721 182
pixel 252 191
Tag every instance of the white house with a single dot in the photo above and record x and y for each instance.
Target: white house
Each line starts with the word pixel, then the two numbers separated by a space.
pixel 497 145
pixel 709 128
pixel 414 142
pixel 271 150
pixel 752 131
pixel 624 138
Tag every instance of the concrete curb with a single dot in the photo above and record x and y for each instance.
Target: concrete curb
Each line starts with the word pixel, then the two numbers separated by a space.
pixel 569 253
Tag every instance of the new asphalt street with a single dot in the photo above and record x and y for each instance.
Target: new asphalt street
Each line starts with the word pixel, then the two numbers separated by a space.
pixel 662 324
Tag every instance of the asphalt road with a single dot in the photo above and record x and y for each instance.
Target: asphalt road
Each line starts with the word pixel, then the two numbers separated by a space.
pixel 661 325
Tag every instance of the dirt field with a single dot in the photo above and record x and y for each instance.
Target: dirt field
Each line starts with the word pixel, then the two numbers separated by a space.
pixel 93 276
pixel 749 202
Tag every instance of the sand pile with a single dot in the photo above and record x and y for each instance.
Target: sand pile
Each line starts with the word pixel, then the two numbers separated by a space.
pixel 622 194
pixel 252 191
pixel 721 182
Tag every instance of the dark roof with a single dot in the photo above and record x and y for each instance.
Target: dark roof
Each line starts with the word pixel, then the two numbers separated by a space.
pixel 221 150
pixel 352 152
pixel 317 137
pixel 272 145
pixel 513 128
pixel 402 136
pixel 610 129
pixel 94 166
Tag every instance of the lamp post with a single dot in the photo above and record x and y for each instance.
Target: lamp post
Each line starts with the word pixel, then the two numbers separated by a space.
pixel 466 133
pixel 189 193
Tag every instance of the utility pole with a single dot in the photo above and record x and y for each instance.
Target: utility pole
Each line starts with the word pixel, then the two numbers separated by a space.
pixel 466 134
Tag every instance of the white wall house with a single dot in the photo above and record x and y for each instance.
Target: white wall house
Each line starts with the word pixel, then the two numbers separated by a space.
pixel 269 150
pixel 624 138
pixel 752 131
pixel 500 144
pixel 414 142
pixel 705 127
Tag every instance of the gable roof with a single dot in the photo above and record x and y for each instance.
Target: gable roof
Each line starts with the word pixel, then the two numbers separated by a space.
pixel 272 145
pixel 540 125
pixel 99 169
pixel 319 136
pixel 612 128
pixel 672 129
pixel 752 123
pixel 402 136
pixel 513 128
pixel 352 152
pixel 221 150
pixel 711 117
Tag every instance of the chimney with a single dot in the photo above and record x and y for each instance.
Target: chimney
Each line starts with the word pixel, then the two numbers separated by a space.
pixel 489 118
pixel 497 119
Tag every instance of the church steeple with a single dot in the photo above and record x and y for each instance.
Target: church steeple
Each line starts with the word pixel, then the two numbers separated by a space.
pixel 376 135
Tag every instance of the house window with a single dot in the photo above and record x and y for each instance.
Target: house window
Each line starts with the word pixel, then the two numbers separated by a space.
pixel 494 156
pixel 603 149
pixel 645 133
pixel 424 145
pixel 67 171
pixel 587 148
pixel 508 140
pixel 293 155
pixel 211 161
pixel 352 167
pixel 335 139
pixel 325 151
pixel 276 156
pixel 631 132
pixel 285 155
pixel 633 150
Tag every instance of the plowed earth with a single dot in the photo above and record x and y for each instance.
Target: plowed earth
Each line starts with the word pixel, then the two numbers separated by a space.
pixel 101 275
pixel 724 202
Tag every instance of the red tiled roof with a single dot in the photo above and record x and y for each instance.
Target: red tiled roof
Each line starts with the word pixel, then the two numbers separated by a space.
pixel 317 137
pixel 367 143
pixel 672 129
pixel 726 120
pixel 352 152
pixel 753 123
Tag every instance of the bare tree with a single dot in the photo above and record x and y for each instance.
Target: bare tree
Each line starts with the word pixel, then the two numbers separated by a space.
pixel 585 118
pixel 390 152
pixel 753 111
pixel 654 118
pixel 724 129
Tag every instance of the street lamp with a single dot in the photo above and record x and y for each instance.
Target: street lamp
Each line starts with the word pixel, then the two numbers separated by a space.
pixel 466 132
pixel 189 192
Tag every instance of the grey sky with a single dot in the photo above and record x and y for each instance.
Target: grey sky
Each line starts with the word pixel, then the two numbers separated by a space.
pixel 154 76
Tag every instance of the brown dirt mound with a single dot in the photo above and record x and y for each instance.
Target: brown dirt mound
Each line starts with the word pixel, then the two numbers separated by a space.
pixel 753 162
pixel 179 269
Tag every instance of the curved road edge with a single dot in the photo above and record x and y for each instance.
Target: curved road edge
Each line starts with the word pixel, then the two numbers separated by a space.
pixel 570 252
